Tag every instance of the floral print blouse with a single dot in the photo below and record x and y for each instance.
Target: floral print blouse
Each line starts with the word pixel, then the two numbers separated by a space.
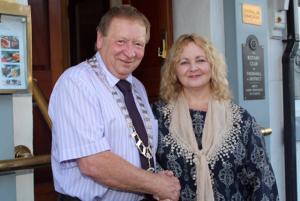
pixel 243 174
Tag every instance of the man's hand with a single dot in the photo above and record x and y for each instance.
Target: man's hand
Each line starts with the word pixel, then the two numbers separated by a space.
pixel 111 170
pixel 168 187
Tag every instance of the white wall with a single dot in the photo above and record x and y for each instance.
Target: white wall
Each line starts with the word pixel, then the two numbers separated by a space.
pixel 204 17
pixel 276 114
pixel 23 135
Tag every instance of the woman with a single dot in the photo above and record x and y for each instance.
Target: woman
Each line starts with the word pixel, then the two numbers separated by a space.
pixel 212 145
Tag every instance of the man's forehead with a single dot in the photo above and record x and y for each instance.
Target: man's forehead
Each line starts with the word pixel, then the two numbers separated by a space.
pixel 122 27
pixel 122 20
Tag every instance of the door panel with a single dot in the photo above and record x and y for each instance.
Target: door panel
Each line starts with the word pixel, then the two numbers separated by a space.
pixel 160 16
pixel 83 21
pixel 44 53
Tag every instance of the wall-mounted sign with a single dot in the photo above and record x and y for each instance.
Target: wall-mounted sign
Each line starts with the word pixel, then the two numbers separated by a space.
pixel 252 14
pixel 253 69
pixel 15 48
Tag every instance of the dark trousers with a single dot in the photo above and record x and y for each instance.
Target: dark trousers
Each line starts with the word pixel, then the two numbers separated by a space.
pixel 63 197
pixel 148 198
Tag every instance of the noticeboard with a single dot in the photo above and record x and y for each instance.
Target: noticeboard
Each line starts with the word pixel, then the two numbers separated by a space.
pixel 15 48
pixel 253 69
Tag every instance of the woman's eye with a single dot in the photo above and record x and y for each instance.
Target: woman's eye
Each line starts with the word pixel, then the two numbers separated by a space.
pixel 184 63
pixel 200 60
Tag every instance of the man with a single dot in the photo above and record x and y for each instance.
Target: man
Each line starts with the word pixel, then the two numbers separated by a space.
pixel 97 151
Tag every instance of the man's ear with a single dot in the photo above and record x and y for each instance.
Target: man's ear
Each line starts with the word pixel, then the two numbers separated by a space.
pixel 99 41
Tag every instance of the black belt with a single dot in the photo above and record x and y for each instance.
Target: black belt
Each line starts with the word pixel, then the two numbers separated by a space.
pixel 63 197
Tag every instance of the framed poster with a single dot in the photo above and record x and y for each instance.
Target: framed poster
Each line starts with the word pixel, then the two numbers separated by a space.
pixel 15 48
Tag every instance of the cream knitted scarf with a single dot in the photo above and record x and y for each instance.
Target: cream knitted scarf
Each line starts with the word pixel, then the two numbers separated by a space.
pixel 217 122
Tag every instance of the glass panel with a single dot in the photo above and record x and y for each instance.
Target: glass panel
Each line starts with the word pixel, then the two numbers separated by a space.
pixel 13 53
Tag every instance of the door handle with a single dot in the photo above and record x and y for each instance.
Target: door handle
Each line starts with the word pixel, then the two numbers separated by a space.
pixel 162 50
pixel 266 131
pixel 21 151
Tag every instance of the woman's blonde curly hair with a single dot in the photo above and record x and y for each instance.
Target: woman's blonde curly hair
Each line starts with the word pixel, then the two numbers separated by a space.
pixel 170 87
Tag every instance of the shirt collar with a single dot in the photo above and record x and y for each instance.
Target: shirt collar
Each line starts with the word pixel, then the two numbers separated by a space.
pixel 111 79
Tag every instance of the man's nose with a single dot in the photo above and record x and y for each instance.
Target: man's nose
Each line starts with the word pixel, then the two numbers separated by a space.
pixel 129 50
